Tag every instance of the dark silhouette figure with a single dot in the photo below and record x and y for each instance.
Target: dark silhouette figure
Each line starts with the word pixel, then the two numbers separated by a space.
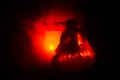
pixel 68 41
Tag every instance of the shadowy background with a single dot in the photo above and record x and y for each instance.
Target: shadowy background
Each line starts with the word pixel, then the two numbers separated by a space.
pixel 97 25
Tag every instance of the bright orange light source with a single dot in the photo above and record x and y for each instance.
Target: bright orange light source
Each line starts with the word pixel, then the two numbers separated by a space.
pixel 51 41
pixel 51 47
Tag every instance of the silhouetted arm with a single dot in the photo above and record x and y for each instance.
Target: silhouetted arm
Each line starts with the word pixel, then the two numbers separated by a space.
pixel 62 38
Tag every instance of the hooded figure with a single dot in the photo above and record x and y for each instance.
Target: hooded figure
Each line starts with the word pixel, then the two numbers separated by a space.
pixel 69 40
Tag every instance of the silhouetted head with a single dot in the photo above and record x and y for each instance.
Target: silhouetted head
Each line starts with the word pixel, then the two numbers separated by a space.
pixel 71 23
